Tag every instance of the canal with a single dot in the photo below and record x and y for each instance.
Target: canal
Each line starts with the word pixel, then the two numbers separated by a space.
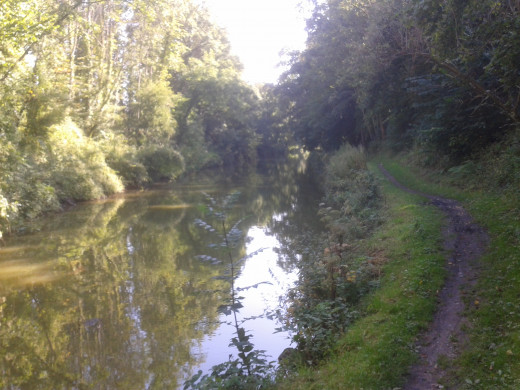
pixel 124 293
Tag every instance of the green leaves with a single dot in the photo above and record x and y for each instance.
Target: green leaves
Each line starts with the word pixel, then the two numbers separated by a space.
pixel 353 81
pixel 150 119
pixel 250 369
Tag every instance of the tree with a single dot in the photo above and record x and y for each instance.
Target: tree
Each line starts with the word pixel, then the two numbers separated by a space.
pixel 150 117
pixel 154 77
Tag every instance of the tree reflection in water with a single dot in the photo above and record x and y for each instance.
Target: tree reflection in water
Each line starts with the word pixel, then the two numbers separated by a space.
pixel 112 295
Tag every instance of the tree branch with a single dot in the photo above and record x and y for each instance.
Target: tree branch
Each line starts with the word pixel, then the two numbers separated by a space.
pixel 453 71
pixel 28 49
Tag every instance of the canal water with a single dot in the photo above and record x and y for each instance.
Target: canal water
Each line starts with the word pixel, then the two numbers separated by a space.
pixel 123 293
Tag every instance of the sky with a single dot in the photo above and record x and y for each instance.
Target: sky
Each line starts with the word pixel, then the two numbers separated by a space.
pixel 258 31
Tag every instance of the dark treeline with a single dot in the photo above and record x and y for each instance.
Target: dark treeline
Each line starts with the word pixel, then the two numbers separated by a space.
pixel 441 77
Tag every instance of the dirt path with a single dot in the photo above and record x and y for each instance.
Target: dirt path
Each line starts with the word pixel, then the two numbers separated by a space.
pixel 465 242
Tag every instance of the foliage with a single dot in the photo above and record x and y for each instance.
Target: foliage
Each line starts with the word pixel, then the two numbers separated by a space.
pixel 217 117
pixel 194 148
pixel 334 276
pixel 79 170
pixel 123 159
pixel 379 346
pixel 438 77
pixel 271 125
pixel 161 163
pixel 250 370
pixel 25 188
pixel 353 195
pixel 155 78
pixel 150 118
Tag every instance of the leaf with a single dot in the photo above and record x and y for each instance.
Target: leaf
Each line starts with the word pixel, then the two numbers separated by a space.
pixel 224 309
pixel 210 259
pixel 191 382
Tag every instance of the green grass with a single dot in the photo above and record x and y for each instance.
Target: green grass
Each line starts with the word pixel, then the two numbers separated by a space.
pixel 377 350
pixel 425 181
pixel 492 359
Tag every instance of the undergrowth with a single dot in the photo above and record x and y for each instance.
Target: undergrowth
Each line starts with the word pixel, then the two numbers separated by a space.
pixel 333 276
pixel 379 346
pixel 67 166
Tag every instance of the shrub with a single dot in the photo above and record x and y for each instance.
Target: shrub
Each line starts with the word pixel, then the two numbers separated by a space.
pixel 123 159
pixel 344 162
pixel 352 192
pixel 77 165
pixel 333 273
pixel 132 172
pixel 161 162
pixel 24 189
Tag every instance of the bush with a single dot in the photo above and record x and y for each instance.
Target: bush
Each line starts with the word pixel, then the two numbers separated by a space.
pixel 347 160
pixel 162 163
pixel 132 172
pixel 77 165
pixel 334 274
pixel 352 194
pixel 24 189
pixel 123 159
pixel 500 164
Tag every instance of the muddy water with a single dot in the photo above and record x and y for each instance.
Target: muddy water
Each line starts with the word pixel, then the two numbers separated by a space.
pixel 115 294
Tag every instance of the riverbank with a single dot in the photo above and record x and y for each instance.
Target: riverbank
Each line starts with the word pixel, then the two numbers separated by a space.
pixel 380 347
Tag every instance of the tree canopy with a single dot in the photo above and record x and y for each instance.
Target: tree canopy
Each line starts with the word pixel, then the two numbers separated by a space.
pixel 441 75
pixel 97 95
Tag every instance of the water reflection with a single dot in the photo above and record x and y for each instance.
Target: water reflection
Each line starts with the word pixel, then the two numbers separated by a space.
pixel 21 273
pixel 270 283
pixel 111 295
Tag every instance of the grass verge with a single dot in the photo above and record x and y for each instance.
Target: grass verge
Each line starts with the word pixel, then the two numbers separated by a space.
pixel 377 350
pixel 492 359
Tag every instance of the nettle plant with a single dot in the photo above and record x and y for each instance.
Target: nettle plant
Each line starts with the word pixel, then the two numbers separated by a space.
pixel 322 305
pixel 250 369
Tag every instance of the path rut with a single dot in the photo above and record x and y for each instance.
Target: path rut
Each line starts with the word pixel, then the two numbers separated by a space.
pixel 465 242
